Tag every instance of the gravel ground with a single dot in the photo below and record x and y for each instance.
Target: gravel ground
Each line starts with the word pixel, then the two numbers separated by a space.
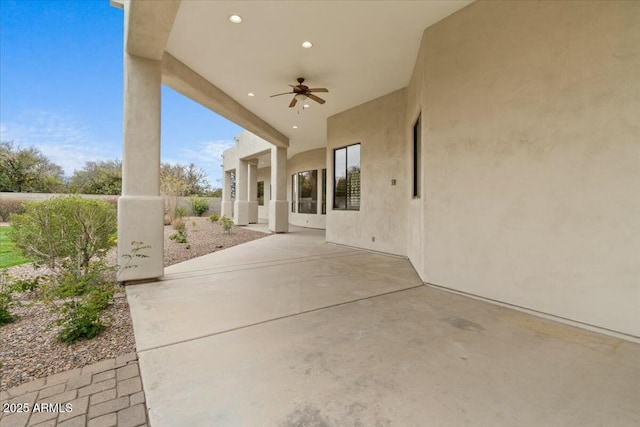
pixel 28 348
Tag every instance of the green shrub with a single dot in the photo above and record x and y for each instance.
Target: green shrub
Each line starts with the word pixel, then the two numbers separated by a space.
pixel 227 223
pixel 69 229
pixel 6 301
pixel 10 206
pixel 26 285
pixel 180 236
pixel 181 212
pixel 199 205
pixel 214 218
pixel 81 317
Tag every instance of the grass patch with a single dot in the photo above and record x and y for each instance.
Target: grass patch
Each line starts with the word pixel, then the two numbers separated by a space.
pixel 9 255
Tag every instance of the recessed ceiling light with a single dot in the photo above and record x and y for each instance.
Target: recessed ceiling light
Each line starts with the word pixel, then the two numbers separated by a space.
pixel 305 106
pixel 307 44
pixel 236 19
pixel 251 94
pixel 295 127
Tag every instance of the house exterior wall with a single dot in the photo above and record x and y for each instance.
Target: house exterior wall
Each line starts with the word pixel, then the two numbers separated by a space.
pixel 306 161
pixel 379 127
pixel 530 158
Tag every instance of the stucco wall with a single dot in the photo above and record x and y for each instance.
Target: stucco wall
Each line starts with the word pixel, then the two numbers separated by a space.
pixel 309 160
pixel 379 126
pixel 531 154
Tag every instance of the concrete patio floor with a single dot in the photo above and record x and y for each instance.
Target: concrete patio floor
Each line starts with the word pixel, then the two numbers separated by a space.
pixel 290 331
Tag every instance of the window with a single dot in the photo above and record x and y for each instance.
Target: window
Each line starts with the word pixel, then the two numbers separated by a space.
pixel 260 193
pixel 294 191
pixel 232 179
pixel 308 192
pixel 324 191
pixel 346 170
pixel 417 167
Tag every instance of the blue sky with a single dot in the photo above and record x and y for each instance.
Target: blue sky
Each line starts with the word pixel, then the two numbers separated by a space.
pixel 61 89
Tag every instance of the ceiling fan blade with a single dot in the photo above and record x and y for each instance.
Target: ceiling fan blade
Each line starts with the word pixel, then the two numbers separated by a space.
pixel 285 93
pixel 315 98
pixel 293 103
pixel 319 89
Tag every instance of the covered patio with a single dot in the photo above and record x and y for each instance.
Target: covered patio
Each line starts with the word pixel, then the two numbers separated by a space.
pixel 291 331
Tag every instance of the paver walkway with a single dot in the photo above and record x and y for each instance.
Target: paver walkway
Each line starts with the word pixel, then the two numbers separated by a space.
pixel 105 394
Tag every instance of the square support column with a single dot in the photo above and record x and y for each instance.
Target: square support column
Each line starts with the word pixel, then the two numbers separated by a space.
pixel 253 193
pixel 226 207
pixel 278 205
pixel 241 205
pixel 140 208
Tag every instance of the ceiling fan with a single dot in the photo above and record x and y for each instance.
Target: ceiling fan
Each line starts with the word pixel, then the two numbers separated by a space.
pixel 302 92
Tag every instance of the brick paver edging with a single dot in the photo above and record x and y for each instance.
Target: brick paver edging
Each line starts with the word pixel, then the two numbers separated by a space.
pixel 106 394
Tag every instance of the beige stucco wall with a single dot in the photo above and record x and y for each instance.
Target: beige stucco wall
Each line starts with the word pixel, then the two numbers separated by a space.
pixel 379 126
pixel 531 154
pixel 308 160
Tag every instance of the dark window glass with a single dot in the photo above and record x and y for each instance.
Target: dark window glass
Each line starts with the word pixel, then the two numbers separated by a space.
pixel 346 194
pixel 324 191
pixel 417 168
pixel 260 193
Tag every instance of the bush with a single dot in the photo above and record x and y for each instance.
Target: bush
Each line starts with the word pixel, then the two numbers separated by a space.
pixel 227 223
pixel 6 301
pixel 10 207
pixel 65 229
pixel 214 218
pixel 199 205
pixel 81 317
pixel 179 237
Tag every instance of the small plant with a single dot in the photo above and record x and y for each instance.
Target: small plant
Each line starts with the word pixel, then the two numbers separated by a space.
pixel 81 317
pixel 199 205
pixel 26 285
pixel 188 246
pixel 178 224
pixel 6 301
pixel 214 218
pixel 193 223
pixel 227 223
pixel 179 237
pixel 181 212
pixel 167 220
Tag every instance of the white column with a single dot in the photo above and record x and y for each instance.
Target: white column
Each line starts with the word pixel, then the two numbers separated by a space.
pixel 253 193
pixel 140 208
pixel 226 207
pixel 241 205
pixel 278 205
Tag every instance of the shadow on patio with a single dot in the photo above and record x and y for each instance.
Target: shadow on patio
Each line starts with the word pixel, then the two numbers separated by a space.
pixel 290 331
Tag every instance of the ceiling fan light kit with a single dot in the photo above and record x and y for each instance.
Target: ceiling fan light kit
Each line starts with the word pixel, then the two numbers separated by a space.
pixel 301 92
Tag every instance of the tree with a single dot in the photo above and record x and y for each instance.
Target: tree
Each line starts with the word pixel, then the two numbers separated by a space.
pixel 28 170
pixel 193 179
pixel 102 177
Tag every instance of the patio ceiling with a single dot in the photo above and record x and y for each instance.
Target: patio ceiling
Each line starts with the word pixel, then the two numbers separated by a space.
pixel 361 50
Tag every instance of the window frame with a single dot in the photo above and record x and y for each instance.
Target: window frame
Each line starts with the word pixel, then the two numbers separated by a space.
pixel 347 196
pixel 313 173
